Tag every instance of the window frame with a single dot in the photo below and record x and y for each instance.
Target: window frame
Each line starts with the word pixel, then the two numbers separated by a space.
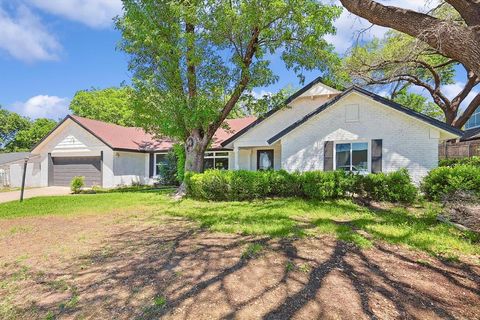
pixel 369 153
pixel 214 155
pixel 272 151
pixel 155 173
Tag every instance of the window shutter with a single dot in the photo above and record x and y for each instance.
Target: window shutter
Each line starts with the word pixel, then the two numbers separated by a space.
pixel 328 156
pixel 376 155
pixel 151 164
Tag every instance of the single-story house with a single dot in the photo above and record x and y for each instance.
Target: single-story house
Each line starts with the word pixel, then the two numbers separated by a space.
pixel 319 128
pixel 110 155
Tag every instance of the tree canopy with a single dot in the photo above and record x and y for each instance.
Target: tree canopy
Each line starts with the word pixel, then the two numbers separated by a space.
pixel 192 61
pixel 398 62
pixel 19 133
pixel 110 105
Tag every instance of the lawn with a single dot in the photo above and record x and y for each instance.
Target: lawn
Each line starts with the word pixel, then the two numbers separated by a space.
pixel 415 227
pixel 137 254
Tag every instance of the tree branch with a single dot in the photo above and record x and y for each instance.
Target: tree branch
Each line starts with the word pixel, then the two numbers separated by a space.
pixel 450 39
pixel 473 105
pixel 468 9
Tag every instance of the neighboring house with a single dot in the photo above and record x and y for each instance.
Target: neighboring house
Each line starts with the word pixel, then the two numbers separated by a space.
pixel 472 127
pixel 110 155
pixel 319 129
pixel 11 169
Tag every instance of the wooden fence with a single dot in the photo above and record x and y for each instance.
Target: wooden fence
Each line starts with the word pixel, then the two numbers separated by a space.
pixel 463 149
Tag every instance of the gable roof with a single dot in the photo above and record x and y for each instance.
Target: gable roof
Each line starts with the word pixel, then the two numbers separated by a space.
pixel 389 103
pixel 273 110
pixel 136 139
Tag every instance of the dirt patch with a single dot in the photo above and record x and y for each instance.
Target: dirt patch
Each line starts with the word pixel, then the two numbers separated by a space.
pixel 136 267
pixel 463 209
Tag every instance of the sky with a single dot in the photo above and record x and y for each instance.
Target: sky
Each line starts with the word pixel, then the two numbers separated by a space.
pixel 51 49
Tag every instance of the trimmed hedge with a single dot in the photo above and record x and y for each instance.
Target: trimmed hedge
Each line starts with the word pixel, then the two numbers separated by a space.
pixel 220 185
pixel 446 181
pixel 473 161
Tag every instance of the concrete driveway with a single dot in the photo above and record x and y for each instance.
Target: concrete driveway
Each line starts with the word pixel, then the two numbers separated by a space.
pixel 35 192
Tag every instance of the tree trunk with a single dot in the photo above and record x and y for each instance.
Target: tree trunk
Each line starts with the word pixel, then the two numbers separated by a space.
pixel 195 148
pixel 453 40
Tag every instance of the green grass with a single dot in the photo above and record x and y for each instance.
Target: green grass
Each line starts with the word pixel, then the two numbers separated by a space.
pixel 416 228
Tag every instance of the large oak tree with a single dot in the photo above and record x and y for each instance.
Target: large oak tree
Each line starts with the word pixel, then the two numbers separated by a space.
pixel 193 60
pixel 456 39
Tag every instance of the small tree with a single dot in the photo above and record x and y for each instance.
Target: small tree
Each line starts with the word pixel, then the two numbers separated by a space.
pixel 193 60
pixel 110 105
pixel 77 184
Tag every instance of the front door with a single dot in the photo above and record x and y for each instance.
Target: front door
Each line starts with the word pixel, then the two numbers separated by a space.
pixel 264 159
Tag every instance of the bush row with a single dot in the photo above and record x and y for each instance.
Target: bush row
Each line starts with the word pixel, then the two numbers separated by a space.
pixel 241 185
pixel 446 181
pixel 473 161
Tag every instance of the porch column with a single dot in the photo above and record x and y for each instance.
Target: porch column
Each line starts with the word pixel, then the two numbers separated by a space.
pixel 236 154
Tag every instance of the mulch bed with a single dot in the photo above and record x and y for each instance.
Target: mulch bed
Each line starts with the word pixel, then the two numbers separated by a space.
pixel 115 267
pixel 464 210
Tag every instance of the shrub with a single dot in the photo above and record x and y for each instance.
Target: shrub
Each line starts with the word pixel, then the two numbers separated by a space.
pixel 322 185
pixel 474 161
pixel 167 174
pixel 395 186
pixel 445 181
pixel 242 185
pixel 77 184
pixel 179 151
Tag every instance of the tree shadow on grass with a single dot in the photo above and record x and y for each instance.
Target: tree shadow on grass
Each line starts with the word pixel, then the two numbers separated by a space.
pixel 178 270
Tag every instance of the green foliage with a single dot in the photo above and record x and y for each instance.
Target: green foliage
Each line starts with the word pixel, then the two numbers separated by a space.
pixel 321 185
pixel 472 161
pixel 240 185
pixel 393 187
pixel 111 105
pixel 77 184
pixel 446 181
pixel 179 151
pixel 19 133
pixel 253 250
pixel 193 60
pixel 168 170
pixel 37 129
pixel 418 103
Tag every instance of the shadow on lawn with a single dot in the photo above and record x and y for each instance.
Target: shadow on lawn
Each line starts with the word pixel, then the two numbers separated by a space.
pixel 179 271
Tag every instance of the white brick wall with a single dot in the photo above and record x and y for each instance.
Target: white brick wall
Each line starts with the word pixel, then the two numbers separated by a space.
pixel 407 142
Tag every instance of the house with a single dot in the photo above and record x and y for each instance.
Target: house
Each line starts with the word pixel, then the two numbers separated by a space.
pixel 356 130
pixel 110 155
pixel 320 128
pixel 11 169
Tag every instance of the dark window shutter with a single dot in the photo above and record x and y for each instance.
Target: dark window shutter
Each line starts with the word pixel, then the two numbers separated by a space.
pixel 377 155
pixel 328 156
pixel 151 164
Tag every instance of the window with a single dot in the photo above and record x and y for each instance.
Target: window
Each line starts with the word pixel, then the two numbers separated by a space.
pixel 352 156
pixel 216 160
pixel 265 160
pixel 474 121
pixel 160 160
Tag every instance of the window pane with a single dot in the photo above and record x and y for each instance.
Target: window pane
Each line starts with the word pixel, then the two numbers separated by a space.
pixel 221 163
pixel 343 156
pixel 221 154
pixel 265 160
pixel 360 157
pixel 209 154
pixel 160 160
pixel 208 164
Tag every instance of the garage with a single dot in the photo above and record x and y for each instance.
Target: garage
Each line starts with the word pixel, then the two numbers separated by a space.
pixel 65 168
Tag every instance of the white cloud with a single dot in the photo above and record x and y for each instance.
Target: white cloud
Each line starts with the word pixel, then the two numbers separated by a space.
pixel 43 106
pixel 93 13
pixel 261 94
pixel 23 36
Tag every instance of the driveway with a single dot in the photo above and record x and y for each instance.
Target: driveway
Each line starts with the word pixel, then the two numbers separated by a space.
pixel 35 192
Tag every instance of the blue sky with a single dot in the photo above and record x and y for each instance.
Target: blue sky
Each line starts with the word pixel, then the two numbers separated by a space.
pixel 51 49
